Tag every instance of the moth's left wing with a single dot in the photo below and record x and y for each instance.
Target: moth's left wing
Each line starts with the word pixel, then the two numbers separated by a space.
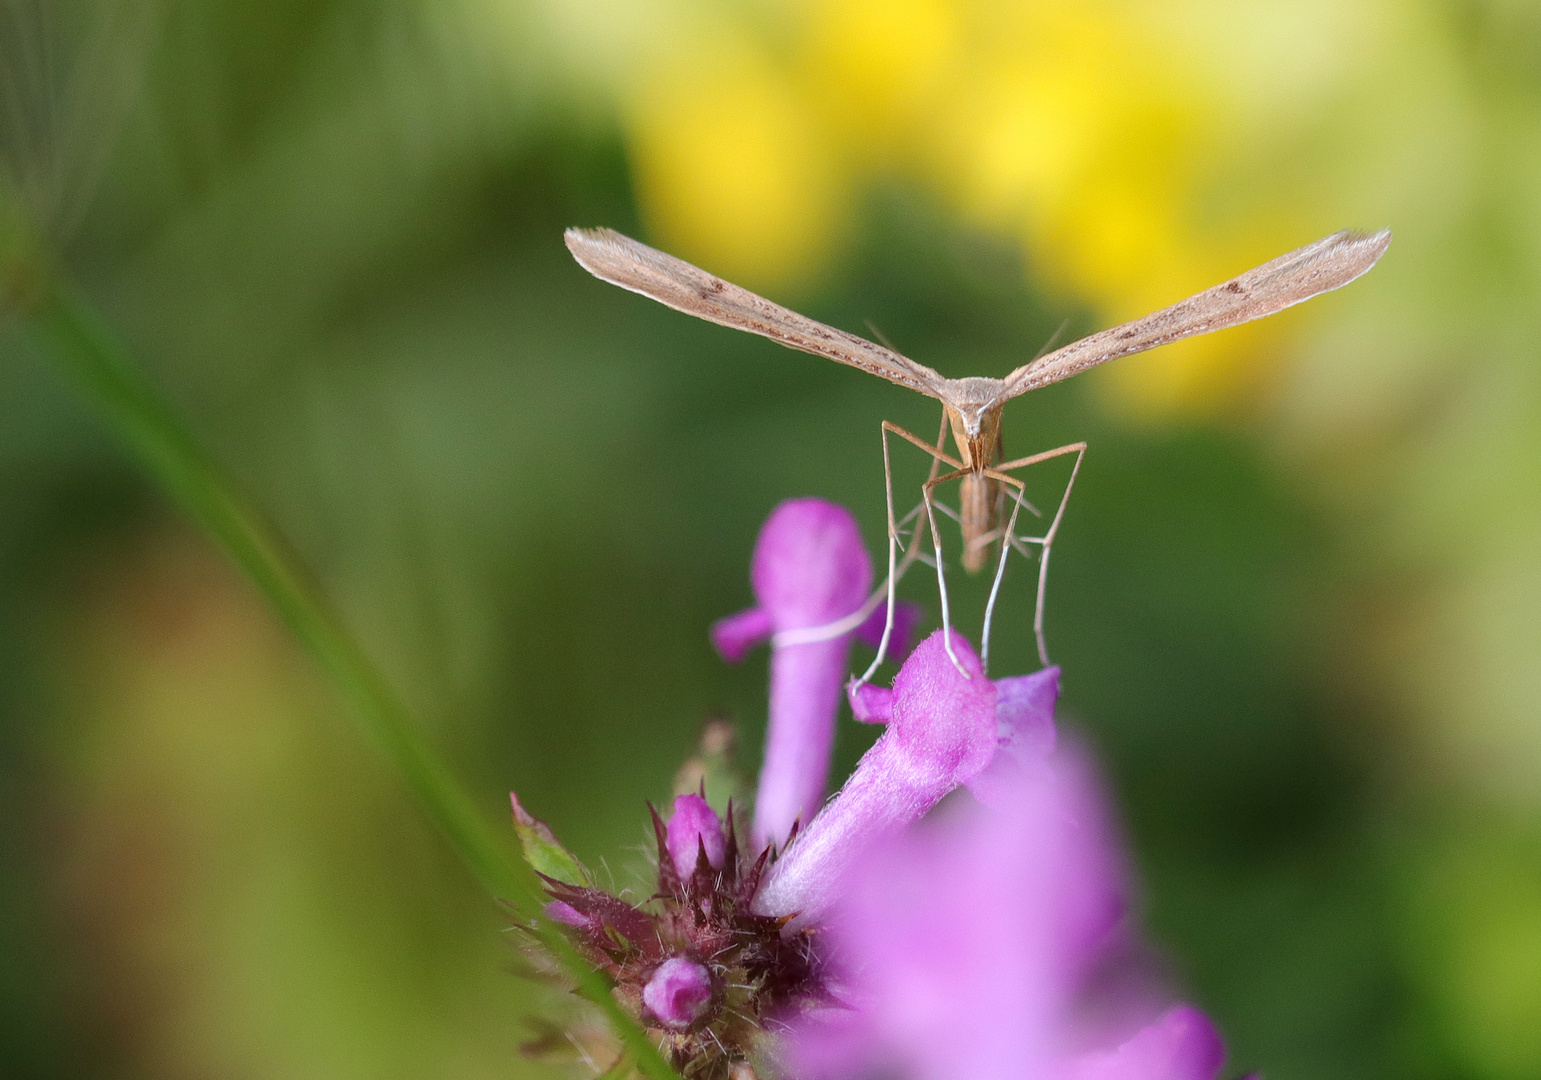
pixel 632 265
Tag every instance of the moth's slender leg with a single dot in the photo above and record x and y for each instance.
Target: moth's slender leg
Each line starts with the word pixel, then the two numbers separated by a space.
pixel 842 626
pixel 986 538
pixel 1017 503
pixel 949 512
pixel 1046 541
pixel 941 574
pixel 935 451
pixel 895 571
pixel 936 536
pixel 913 551
pixel 893 578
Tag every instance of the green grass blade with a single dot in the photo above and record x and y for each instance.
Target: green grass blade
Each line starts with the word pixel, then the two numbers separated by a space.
pixel 74 339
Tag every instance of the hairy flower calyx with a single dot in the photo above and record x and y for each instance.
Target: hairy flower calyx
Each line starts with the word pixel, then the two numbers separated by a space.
pixel 695 965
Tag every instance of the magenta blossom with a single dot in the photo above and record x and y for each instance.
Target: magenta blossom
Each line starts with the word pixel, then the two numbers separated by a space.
pixel 693 962
pixel 942 732
pixel 988 945
pixel 986 938
pixel 811 576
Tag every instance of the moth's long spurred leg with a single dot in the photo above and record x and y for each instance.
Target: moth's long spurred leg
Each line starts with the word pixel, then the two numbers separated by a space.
pixel 1009 532
pixel 893 576
pixel 941 574
pixel 1046 541
pixel 895 571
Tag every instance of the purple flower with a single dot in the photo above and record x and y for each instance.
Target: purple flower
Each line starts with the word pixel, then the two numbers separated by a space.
pixel 990 944
pixel 693 963
pixel 983 939
pixel 811 574
pixel 942 732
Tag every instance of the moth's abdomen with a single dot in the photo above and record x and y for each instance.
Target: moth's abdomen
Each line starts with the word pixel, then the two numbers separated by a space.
pixel 977 509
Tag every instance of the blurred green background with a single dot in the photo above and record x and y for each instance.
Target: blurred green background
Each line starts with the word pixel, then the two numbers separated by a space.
pixel 1297 596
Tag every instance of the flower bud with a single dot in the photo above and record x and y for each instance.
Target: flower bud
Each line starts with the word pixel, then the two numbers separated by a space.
pixel 693 826
pixel 678 992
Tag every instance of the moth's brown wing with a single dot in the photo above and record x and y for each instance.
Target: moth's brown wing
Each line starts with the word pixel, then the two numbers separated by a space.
pixel 1320 267
pixel 623 261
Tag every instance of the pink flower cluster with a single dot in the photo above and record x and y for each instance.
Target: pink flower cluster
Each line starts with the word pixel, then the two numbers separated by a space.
pixel 958 911
pixel 988 940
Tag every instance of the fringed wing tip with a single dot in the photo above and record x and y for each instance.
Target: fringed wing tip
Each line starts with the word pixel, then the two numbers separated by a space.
pixel 586 244
pixel 1365 249
pixel 1378 242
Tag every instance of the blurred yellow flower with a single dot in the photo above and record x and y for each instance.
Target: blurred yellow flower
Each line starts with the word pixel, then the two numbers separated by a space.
pixel 730 168
pixel 876 69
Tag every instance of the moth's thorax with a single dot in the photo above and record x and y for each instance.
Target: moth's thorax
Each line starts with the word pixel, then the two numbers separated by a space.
pixel 976 393
pixel 974 413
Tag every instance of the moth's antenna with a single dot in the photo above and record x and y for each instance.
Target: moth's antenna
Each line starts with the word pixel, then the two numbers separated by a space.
pixel 1054 337
pixel 872 328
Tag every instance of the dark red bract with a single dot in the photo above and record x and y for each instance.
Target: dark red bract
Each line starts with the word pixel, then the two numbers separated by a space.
pixel 757 967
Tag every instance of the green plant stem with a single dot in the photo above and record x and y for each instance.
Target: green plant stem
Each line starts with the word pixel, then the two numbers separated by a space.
pixel 71 335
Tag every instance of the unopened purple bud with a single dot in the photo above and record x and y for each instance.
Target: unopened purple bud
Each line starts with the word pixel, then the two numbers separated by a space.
pixel 694 825
pixel 942 731
pixel 565 913
pixel 678 993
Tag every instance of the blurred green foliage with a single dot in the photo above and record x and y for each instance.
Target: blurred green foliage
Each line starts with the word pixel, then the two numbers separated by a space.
pixel 1302 639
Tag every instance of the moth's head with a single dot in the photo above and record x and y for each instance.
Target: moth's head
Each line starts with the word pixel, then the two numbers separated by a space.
pixel 976 404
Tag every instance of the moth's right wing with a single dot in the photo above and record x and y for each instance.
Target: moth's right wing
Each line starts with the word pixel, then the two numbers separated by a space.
pixel 1330 263
pixel 623 261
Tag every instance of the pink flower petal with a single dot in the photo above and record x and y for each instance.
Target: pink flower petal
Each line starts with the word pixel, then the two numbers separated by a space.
pixel 734 635
pixel 1182 1045
pixel 694 826
pixel 941 732
pixel 810 570
pixel 1024 716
